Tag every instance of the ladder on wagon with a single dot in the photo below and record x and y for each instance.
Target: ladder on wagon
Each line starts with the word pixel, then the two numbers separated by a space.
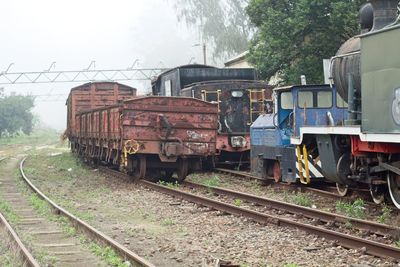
pixel 257 104
pixel 211 96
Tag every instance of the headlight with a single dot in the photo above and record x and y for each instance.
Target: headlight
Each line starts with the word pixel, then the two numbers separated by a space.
pixel 237 93
pixel 238 141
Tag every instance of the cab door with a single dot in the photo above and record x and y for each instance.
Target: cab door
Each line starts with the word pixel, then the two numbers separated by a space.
pixel 284 117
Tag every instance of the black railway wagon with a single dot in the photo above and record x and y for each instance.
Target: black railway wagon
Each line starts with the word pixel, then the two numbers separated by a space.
pixel 241 98
pixel 170 82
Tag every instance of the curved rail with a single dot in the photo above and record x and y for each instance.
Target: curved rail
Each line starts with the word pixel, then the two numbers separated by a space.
pixel 345 240
pixel 325 216
pixel 28 259
pixel 124 252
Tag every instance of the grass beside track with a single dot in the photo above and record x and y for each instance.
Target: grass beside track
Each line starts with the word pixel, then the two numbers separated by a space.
pixel 44 209
pixel 67 167
pixel 8 252
pixel 37 137
pixel 65 170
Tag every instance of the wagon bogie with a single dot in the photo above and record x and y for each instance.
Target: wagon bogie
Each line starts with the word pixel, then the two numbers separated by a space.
pixel 150 167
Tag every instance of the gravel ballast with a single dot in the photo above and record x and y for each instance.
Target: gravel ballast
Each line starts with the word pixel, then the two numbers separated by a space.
pixel 170 232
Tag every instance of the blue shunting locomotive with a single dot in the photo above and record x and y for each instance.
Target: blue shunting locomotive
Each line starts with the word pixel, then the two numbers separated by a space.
pixel 272 154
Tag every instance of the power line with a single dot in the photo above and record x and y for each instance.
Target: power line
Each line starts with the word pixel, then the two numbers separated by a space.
pixel 86 75
pixel 50 97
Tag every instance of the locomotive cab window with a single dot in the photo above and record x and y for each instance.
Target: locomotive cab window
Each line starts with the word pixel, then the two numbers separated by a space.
pixel 305 99
pixel 324 99
pixel 286 100
pixel 209 96
pixel 314 99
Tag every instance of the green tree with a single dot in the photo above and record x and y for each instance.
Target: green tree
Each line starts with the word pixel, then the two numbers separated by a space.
pixel 294 36
pixel 223 24
pixel 15 114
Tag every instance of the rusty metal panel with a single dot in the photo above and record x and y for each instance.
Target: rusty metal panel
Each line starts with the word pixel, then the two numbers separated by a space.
pixel 94 95
pixel 78 126
pixel 83 125
pixel 89 122
pixel 96 124
pixel 103 124
pixel 114 123
pixel 185 125
pixel 166 126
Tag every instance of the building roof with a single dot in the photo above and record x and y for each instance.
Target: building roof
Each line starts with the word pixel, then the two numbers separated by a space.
pixel 237 58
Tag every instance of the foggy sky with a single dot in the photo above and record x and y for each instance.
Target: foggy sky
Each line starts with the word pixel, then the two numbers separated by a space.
pixel 73 33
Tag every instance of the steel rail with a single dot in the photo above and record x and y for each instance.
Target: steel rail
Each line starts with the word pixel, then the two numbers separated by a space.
pixel 271 181
pixel 124 252
pixel 28 259
pixel 245 175
pixel 325 216
pixel 378 228
pixel 298 187
pixel 345 240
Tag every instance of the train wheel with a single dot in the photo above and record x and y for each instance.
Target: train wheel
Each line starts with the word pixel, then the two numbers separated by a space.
pixel 377 194
pixel 140 170
pixel 393 180
pixel 342 189
pixel 182 171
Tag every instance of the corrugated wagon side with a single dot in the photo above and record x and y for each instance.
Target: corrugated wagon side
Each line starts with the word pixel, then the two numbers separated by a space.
pixel 94 95
pixel 150 137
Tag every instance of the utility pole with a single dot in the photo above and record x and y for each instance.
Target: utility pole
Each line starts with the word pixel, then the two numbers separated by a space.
pixel 204 53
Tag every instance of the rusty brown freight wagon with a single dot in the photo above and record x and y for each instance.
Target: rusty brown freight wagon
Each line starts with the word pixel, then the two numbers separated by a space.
pixel 94 95
pixel 149 137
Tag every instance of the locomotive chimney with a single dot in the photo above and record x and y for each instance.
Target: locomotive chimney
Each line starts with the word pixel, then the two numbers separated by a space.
pixel 366 17
pixel 385 13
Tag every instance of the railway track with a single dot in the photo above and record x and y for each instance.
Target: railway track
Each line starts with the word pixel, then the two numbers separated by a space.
pixel 26 256
pixel 322 216
pixel 48 237
pixel 345 240
pixel 244 175
pixel 326 192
